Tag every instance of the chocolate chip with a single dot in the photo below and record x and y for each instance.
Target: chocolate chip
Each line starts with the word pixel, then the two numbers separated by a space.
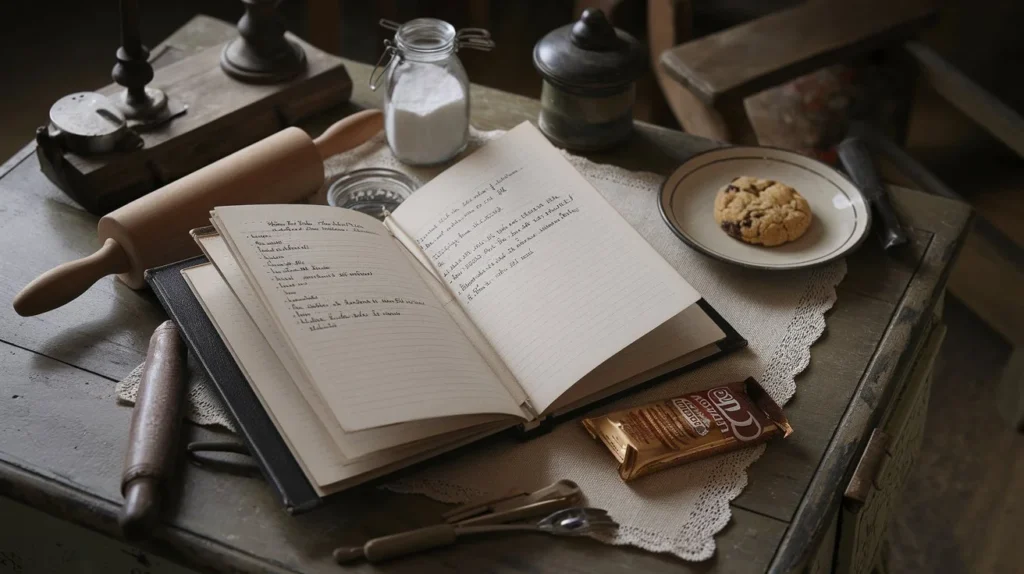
pixel 731 228
pixel 746 223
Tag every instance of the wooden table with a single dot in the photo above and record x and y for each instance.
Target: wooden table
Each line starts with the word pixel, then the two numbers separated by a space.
pixel 62 434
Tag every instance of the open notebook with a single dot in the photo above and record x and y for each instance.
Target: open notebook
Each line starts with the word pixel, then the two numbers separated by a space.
pixel 503 293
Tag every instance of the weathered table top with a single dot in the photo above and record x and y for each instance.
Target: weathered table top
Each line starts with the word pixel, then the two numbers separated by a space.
pixel 62 435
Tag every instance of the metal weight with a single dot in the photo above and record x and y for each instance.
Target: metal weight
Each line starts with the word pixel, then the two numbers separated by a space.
pixel 88 123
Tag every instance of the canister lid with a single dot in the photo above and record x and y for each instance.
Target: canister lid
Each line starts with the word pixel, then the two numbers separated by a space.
pixel 589 56
pixel 374 191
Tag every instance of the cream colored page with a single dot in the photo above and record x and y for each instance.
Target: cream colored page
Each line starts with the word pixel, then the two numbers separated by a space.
pixel 307 439
pixel 352 444
pixel 551 274
pixel 454 309
pixel 375 343
pixel 686 332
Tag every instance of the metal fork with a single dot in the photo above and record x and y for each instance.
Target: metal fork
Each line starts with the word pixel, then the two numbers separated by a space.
pixel 568 522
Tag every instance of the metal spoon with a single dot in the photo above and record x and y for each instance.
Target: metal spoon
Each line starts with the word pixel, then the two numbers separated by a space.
pixel 568 522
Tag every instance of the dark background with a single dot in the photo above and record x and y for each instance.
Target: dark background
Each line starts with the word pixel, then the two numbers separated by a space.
pixel 51 48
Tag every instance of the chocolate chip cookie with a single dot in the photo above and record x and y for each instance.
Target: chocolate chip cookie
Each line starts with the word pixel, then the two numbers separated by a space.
pixel 762 211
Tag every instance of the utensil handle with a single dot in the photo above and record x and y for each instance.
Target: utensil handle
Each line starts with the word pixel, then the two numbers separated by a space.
pixel 405 543
pixel 349 132
pixel 64 283
pixel 858 164
pixel 149 462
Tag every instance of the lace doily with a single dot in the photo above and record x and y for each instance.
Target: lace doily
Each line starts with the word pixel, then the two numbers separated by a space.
pixel 203 405
pixel 678 510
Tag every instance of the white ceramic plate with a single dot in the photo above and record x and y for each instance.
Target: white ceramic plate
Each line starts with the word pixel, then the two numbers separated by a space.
pixel 841 214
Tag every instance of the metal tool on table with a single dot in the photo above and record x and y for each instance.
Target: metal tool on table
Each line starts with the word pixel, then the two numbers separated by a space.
pixel 468 519
pixel 857 162
pixel 574 521
pixel 155 425
pixel 154 230
pixel 564 489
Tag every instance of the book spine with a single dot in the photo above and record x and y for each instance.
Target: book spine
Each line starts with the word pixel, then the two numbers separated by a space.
pixel 451 304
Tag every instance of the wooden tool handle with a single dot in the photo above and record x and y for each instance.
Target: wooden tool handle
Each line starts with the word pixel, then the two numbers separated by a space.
pixel 396 545
pixel 153 434
pixel 857 161
pixel 349 132
pixel 63 283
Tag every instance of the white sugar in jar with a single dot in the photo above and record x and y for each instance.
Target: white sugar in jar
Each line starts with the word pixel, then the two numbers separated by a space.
pixel 426 103
pixel 426 114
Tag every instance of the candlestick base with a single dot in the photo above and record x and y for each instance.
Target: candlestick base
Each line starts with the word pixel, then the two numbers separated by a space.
pixel 151 103
pixel 240 61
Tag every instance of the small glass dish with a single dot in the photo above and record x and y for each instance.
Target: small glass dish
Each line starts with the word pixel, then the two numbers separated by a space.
pixel 374 191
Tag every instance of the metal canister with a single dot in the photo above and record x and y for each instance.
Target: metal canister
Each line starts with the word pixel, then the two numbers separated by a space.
pixel 590 70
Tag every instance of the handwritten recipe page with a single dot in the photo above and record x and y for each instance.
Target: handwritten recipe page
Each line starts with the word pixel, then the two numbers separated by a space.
pixel 548 271
pixel 271 381
pixel 375 341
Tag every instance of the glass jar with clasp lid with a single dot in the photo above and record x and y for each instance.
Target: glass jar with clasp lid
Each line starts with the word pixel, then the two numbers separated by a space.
pixel 426 98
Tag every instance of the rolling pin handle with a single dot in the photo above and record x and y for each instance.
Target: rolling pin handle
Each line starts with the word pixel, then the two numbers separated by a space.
pixel 64 283
pixel 139 513
pixel 349 132
pixel 150 459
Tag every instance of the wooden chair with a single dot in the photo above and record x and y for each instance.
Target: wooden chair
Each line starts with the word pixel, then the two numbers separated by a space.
pixel 721 70
pixel 990 271
pixel 709 79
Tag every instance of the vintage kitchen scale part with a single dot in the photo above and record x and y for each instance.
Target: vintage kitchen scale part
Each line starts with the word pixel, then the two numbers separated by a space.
pixel 109 147
pixel 89 123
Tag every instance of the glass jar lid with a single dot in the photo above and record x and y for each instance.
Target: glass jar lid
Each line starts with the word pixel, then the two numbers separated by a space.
pixel 590 56
pixel 374 191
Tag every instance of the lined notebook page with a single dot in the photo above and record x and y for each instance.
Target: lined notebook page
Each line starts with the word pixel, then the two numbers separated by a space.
pixel 307 439
pixel 371 337
pixel 681 335
pixel 552 275
pixel 353 445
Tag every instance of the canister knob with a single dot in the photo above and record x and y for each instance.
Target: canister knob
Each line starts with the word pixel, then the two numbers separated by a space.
pixel 594 32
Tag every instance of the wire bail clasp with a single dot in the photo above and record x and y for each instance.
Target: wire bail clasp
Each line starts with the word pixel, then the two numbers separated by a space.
pixel 474 38
pixel 389 55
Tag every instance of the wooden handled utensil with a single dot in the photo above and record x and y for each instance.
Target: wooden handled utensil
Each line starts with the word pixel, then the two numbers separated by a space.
pixel 573 521
pixel 149 462
pixel 856 159
pixel 153 230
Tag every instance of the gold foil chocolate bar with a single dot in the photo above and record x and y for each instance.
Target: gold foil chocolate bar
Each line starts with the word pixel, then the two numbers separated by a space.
pixel 693 426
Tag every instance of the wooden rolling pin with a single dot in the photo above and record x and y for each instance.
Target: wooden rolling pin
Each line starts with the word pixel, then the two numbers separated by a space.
pixel 149 461
pixel 153 230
